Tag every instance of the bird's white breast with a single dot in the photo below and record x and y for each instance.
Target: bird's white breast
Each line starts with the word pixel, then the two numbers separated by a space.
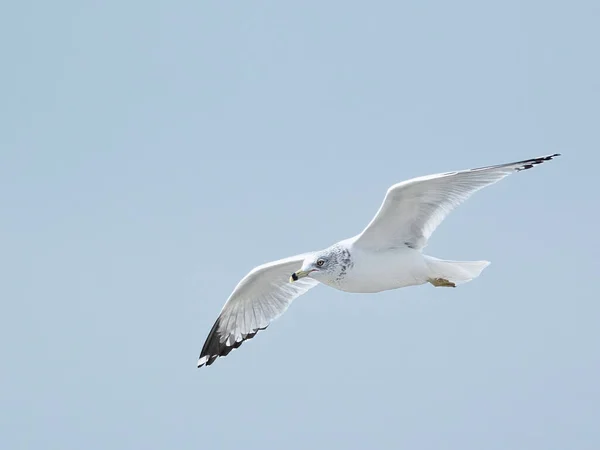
pixel 383 270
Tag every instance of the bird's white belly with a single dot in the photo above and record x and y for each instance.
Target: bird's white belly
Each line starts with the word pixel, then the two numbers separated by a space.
pixel 381 271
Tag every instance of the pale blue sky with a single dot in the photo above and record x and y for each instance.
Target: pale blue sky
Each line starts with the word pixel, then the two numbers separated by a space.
pixel 152 153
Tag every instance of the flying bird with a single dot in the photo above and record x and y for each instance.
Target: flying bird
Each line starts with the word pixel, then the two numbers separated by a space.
pixel 386 255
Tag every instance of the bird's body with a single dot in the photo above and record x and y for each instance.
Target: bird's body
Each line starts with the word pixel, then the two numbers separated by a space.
pixel 386 255
pixel 369 272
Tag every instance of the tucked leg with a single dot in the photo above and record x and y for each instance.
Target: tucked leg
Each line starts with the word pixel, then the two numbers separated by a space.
pixel 441 282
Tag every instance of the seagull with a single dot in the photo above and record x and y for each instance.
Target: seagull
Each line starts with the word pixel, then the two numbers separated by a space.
pixel 386 255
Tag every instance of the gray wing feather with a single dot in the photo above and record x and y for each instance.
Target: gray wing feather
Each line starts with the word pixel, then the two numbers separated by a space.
pixel 413 209
pixel 258 299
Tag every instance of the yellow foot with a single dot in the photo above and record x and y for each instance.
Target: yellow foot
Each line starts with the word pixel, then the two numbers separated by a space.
pixel 441 282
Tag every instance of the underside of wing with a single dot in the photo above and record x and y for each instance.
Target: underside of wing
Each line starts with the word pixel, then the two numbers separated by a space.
pixel 259 298
pixel 413 209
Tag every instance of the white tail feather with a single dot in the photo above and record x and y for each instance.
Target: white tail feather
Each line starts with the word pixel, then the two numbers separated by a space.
pixel 455 271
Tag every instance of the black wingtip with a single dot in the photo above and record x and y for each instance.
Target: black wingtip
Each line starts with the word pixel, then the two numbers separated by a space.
pixel 213 347
pixel 528 164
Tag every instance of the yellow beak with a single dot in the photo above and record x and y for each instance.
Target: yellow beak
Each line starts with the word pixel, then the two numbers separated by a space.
pixel 300 274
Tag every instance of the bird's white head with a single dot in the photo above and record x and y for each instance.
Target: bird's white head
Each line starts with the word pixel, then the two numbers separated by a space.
pixel 327 266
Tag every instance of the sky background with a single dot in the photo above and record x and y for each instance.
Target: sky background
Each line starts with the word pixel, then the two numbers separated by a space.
pixel 152 153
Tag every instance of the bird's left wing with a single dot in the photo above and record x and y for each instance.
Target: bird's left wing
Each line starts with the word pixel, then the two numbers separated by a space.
pixel 259 298
pixel 412 210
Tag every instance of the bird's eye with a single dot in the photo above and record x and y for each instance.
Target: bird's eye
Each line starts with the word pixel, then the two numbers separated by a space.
pixel 320 262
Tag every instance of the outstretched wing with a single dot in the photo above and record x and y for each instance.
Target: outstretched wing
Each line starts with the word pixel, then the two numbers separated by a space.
pixel 413 209
pixel 262 296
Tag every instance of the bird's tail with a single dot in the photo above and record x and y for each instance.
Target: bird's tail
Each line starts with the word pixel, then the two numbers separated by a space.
pixel 455 271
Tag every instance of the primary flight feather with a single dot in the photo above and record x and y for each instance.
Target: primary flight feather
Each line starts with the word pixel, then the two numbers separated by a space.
pixel 386 255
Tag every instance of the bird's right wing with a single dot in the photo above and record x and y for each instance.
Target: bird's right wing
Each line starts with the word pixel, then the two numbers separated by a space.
pixel 262 296
pixel 412 210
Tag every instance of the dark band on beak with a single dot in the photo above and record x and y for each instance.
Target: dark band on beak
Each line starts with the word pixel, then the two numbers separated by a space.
pixel 294 276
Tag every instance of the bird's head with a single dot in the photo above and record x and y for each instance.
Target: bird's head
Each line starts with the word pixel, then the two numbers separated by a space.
pixel 324 266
